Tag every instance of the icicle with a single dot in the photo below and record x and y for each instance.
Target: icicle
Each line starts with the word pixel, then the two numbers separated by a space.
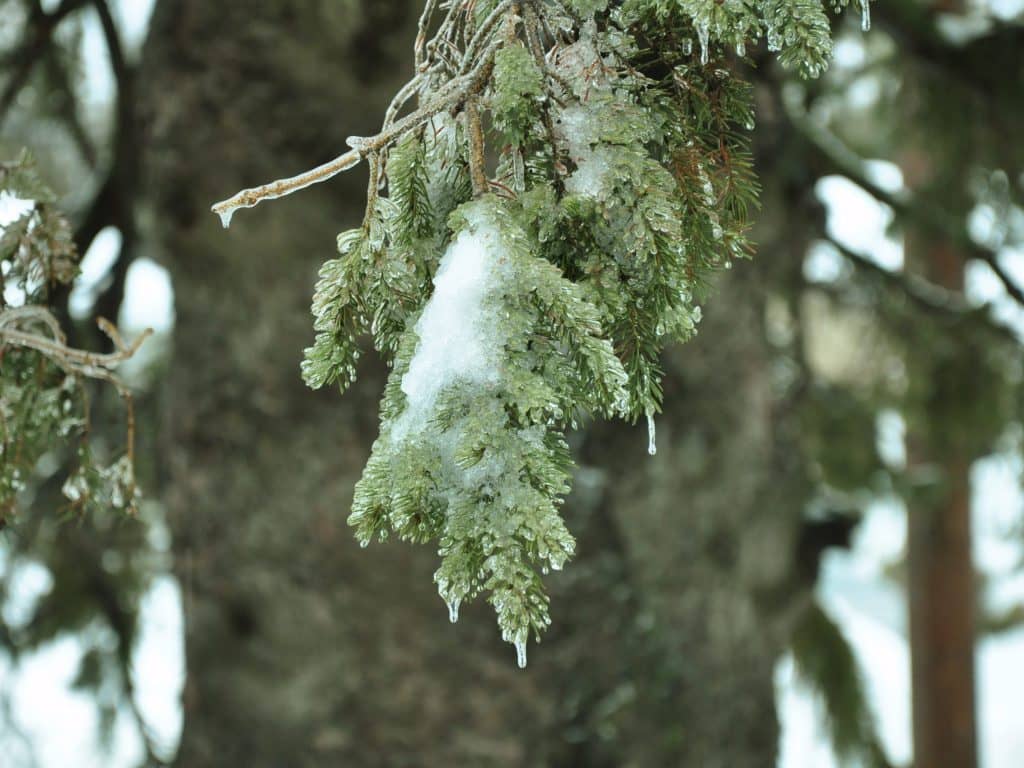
pixel 741 49
pixel 687 46
pixel 652 438
pixel 225 217
pixel 703 33
pixel 453 610
pixel 865 15
pixel 521 651
pixel 519 169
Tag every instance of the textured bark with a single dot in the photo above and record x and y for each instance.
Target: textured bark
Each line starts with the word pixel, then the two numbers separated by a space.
pixel 304 650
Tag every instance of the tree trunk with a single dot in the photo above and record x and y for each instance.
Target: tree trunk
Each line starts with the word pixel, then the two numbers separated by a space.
pixel 304 650
pixel 941 573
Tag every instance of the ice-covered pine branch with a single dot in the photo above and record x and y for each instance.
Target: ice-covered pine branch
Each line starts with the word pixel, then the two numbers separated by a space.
pixel 42 396
pixel 546 196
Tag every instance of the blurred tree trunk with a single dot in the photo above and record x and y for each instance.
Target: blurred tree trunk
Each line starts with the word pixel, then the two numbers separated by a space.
pixel 941 573
pixel 304 650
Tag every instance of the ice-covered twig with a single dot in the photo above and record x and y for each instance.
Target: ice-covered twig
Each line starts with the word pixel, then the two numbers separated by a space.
pixel 452 94
pixel 95 365
pixel 249 198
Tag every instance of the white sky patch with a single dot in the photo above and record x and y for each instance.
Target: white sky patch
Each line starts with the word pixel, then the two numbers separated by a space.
pixel 885 174
pixel 28 582
pixel 95 268
pixel 825 264
pixel 864 92
pixel 148 298
pixel 1006 9
pixel 133 18
pixel 158 664
pixel 12 208
pixel 982 286
pixel 891 438
pixel 997 504
pixel 849 52
pixel 61 722
pixel 459 340
pixel 859 222
pixel 99 85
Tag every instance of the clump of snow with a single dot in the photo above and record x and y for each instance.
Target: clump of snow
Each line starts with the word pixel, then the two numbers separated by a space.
pixel 459 335
pixel 578 126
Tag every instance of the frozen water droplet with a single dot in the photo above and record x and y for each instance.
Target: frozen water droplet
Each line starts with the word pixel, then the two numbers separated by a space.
pixel 865 15
pixel 453 610
pixel 741 49
pixel 521 652
pixel 652 439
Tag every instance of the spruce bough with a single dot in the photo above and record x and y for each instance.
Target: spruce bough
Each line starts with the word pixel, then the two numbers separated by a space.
pixel 547 197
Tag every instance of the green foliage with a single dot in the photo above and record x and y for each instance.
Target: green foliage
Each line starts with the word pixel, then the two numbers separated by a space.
pixel 518 87
pixel 43 399
pixel 37 246
pixel 623 179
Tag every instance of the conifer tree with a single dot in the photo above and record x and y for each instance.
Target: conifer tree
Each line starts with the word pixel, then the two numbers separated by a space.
pixel 43 397
pixel 547 198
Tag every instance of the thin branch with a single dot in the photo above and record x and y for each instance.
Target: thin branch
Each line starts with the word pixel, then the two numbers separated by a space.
pixel 475 136
pixel 846 162
pixel 421 36
pixel 1008 282
pixel 924 294
pixel 94 365
pixel 450 95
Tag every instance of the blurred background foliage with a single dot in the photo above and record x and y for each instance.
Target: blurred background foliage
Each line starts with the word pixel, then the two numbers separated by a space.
pixel 870 352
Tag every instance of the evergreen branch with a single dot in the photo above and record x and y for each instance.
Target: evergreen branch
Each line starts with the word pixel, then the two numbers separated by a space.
pixel 847 163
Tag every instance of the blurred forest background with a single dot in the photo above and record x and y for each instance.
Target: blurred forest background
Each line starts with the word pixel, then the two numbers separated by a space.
pixel 831 530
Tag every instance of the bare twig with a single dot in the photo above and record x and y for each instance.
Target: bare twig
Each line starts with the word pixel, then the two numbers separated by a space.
pixel 475 134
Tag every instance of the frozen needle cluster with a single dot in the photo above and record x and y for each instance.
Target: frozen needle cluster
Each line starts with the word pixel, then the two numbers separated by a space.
pixel 548 195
